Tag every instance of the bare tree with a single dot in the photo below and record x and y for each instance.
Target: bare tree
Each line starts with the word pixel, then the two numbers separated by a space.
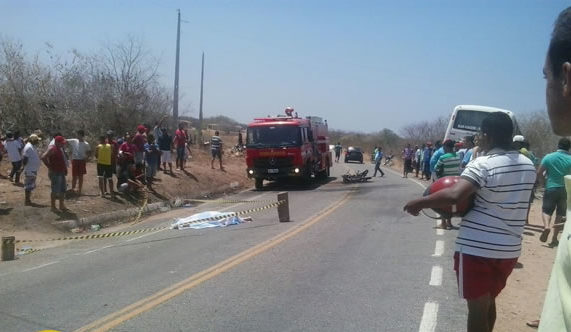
pixel 115 89
pixel 536 128
pixel 421 132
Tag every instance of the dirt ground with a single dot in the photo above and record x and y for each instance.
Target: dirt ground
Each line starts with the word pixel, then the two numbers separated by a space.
pixel 198 181
pixel 522 299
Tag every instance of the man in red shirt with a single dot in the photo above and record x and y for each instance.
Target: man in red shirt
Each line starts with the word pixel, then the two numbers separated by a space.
pixel 139 141
pixel 180 143
pixel 54 159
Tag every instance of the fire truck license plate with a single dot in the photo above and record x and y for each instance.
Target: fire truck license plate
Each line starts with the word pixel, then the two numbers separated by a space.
pixel 273 170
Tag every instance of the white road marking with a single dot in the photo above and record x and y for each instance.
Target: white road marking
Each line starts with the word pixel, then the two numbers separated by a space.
pixel 142 236
pixel 429 317
pixel 438 249
pixel 430 314
pixel 40 266
pixel 422 185
pixel 436 276
pixel 94 250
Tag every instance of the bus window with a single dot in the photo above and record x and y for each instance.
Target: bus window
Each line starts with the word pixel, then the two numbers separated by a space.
pixel 469 120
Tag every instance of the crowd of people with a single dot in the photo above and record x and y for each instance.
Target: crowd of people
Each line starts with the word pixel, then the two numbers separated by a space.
pixel 133 159
pixel 451 158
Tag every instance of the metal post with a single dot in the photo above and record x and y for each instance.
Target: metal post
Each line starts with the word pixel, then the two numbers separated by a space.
pixel 200 140
pixel 175 97
pixel 8 248
pixel 283 209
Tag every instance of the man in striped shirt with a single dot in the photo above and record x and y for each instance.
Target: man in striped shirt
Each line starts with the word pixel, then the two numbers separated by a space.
pixel 216 149
pixel 489 239
pixel 447 165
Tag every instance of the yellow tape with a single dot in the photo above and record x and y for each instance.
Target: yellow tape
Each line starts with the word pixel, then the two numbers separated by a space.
pixel 145 201
pixel 225 201
pixel 27 251
pixel 146 230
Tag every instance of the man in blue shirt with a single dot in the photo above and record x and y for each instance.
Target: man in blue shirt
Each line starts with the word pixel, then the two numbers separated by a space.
pixel 439 152
pixel 469 145
pixel 378 158
pixel 427 153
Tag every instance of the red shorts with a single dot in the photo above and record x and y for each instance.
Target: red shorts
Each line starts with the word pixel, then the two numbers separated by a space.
pixel 481 275
pixel 78 167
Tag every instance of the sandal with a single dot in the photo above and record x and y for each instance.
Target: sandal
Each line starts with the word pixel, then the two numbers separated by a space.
pixel 533 323
pixel 553 244
pixel 544 235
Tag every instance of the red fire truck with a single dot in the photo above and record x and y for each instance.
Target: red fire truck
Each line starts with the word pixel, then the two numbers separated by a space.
pixel 287 146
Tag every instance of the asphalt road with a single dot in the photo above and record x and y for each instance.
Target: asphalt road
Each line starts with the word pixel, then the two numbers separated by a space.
pixel 350 260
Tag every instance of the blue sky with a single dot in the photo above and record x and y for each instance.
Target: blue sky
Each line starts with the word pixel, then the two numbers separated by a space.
pixel 363 65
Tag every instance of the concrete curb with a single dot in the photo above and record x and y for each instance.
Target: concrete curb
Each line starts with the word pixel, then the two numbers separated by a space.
pixel 163 206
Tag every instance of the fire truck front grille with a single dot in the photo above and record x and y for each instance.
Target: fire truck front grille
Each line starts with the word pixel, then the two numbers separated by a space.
pixel 278 162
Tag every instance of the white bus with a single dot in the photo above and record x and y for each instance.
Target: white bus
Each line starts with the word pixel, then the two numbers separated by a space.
pixel 467 119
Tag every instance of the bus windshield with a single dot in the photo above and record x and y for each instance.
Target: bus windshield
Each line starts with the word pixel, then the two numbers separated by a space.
pixel 469 120
pixel 273 136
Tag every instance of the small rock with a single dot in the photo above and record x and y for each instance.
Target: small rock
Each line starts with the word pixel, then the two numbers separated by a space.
pixel 76 230
pixel 95 227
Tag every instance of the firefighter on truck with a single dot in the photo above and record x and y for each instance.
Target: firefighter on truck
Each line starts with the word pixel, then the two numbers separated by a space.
pixel 287 146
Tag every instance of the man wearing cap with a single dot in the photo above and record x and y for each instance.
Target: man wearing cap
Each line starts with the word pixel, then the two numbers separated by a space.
pixel 54 159
pixel 31 161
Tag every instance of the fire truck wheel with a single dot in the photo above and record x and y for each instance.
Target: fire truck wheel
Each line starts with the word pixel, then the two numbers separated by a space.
pixel 259 183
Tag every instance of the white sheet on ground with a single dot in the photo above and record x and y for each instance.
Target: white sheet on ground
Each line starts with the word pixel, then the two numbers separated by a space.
pixel 188 222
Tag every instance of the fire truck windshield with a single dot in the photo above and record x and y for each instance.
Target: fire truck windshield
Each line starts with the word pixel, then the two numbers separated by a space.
pixel 273 136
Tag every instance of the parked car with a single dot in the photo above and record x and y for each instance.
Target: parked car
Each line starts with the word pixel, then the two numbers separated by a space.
pixel 354 154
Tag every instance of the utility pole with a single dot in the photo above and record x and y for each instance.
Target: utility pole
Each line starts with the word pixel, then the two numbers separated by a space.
pixel 175 98
pixel 200 109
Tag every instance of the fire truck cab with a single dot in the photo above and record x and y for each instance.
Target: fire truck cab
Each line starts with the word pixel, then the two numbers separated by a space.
pixel 287 146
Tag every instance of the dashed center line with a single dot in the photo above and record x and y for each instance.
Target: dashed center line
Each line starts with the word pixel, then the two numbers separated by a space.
pixel 430 312
pixel 428 322
pixel 40 266
pixel 438 248
pixel 95 250
pixel 436 276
